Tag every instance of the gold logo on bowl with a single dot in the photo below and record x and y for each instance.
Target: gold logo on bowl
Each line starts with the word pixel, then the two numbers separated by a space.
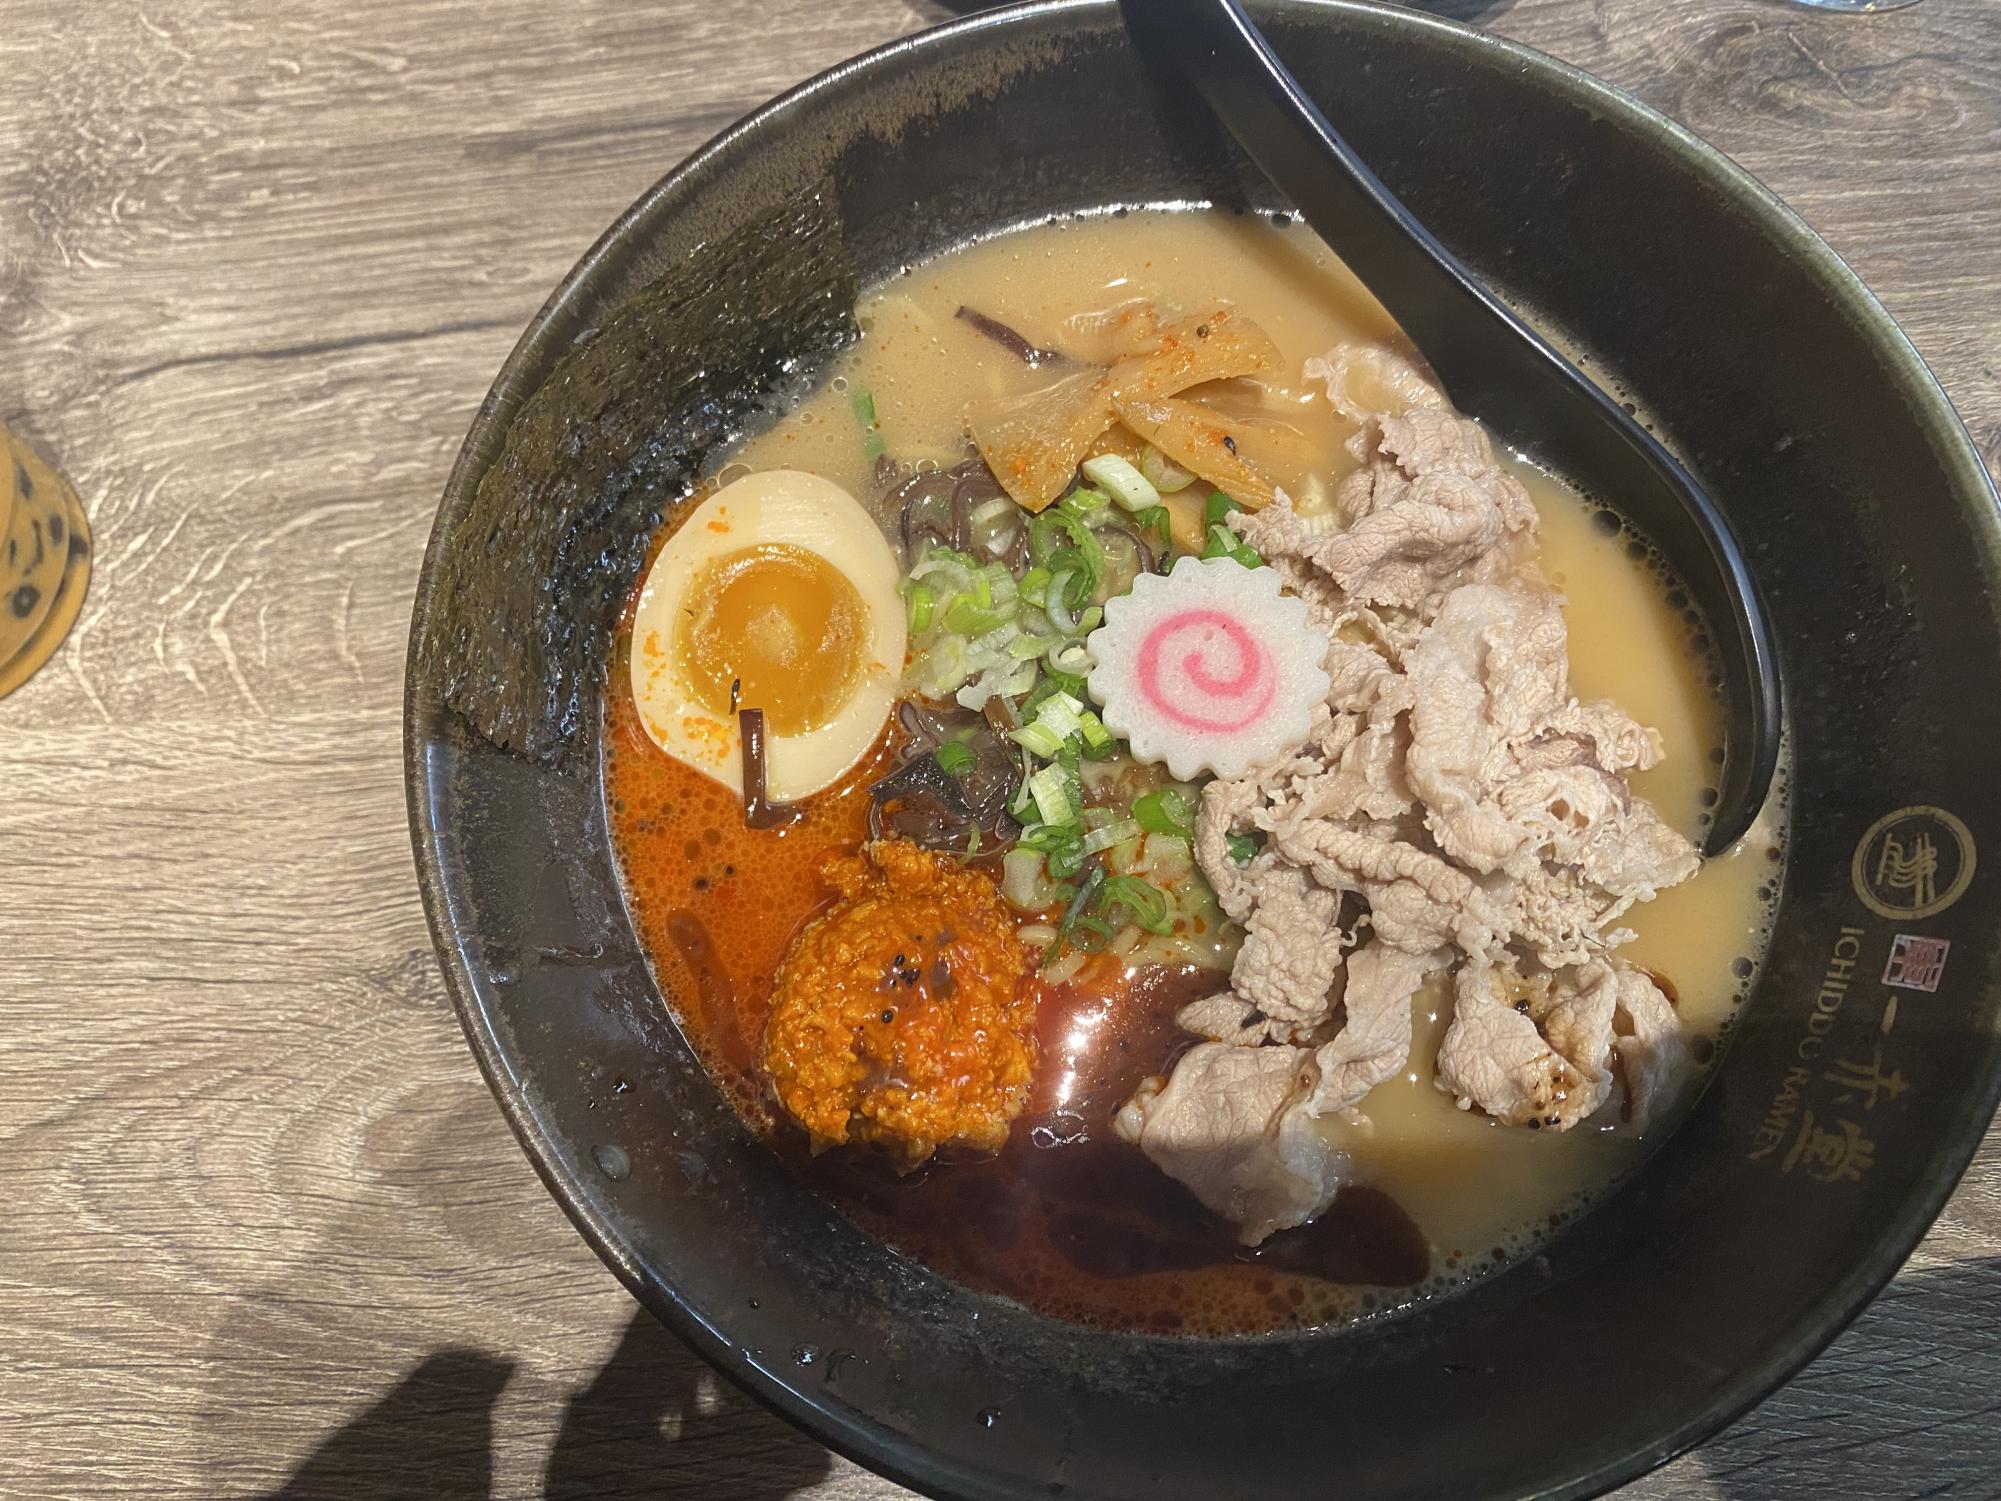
pixel 1915 862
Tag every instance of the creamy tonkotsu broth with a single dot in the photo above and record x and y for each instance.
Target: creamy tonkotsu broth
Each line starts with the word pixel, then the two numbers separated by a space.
pixel 1439 1193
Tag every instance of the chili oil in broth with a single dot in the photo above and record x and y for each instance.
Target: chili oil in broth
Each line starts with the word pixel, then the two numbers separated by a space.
pixel 1067 1218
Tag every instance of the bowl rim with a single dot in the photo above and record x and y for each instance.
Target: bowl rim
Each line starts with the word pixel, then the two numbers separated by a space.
pixel 845 1430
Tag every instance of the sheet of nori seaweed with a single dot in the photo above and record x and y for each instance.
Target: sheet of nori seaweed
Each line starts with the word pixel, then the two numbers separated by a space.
pixel 531 580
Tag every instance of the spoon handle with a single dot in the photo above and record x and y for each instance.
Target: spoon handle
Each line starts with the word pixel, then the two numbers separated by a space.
pixel 1429 293
pixel 1492 364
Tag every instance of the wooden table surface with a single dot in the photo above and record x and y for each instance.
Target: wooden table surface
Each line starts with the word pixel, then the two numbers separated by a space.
pixel 264 1231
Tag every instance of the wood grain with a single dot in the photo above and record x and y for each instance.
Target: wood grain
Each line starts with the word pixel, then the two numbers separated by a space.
pixel 266 1232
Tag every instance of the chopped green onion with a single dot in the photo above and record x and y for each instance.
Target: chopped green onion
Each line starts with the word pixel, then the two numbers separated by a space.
pixel 1070 759
pixel 1243 847
pixel 864 409
pixel 1045 535
pixel 1125 856
pixel 1037 739
pixel 1164 812
pixel 969 617
pixel 1224 543
pixel 1069 577
pixel 917 601
pixel 1070 756
pixel 1034 700
pixel 1061 613
pixel 1156 519
pixel 1080 902
pixel 1097 739
pixel 1025 885
pixel 1087 544
pixel 1019 805
pixel 1034 586
pixel 1070 659
pixel 1001 678
pixel 1050 789
pixel 1216 507
pixel 972 845
pixel 954 759
pixel 1118 831
pixel 944 560
pixel 1067 682
pixel 1018 679
pixel 1146 902
pixel 1062 843
pixel 1083 504
pixel 1090 934
pixel 1163 473
pixel 989 647
pixel 1066 859
pixel 1120 480
pixel 1059 711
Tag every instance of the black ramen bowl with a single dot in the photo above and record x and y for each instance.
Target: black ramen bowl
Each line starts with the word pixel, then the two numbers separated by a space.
pixel 1866 1061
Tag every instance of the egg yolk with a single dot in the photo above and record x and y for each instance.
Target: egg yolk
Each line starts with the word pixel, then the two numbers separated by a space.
pixel 772 627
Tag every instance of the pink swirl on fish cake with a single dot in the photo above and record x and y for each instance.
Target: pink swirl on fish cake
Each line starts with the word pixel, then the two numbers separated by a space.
pixel 1217 698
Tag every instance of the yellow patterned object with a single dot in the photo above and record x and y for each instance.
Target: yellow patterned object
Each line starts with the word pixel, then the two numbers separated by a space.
pixel 44 561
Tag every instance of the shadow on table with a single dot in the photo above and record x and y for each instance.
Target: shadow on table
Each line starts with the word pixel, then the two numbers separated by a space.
pixel 647 1426
pixel 1907 1403
pixel 430 1436
pixel 650 1425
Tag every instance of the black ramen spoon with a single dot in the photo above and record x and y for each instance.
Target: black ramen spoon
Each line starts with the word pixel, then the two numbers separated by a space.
pixel 1492 364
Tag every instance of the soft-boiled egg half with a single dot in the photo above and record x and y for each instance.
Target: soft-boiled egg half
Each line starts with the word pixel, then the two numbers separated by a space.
pixel 779 593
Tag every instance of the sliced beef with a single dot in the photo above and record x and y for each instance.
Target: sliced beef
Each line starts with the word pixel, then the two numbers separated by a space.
pixel 1292 951
pixel 1374 1041
pixel 1651 1046
pixel 1417 900
pixel 1229 1123
pixel 1524 1053
pixel 1454 789
pixel 1365 381
pixel 1225 1017
pixel 1488 672
pixel 1407 548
